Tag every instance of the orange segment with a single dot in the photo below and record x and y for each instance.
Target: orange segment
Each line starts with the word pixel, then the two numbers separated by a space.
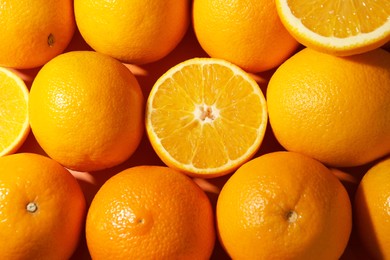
pixel 338 27
pixel 206 117
pixel 14 122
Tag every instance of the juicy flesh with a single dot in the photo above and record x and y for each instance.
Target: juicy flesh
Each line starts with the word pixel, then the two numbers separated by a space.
pixel 214 116
pixel 341 18
pixel 13 112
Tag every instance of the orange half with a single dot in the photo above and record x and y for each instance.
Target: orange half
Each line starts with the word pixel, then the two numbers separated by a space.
pixel 206 117
pixel 14 121
pixel 337 27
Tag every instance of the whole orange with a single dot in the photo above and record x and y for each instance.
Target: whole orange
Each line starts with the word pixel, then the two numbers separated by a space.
pixel 372 210
pixel 33 32
pixel 284 205
pixel 248 33
pixel 133 31
pixel 150 212
pixel 42 208
pixel 333 109
pixel 86 110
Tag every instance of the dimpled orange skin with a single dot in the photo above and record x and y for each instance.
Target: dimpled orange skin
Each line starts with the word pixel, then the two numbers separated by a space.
pixel 53 230
pixel 133 31
pixel 248 33
pixel 33 32
pixel 333 109
pixel 86 111
pixel 150 212
pixel 284 205
pixel 372 210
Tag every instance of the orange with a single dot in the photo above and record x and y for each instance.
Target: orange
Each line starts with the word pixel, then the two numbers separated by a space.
pixel 248 33
pixel 337 27
pixel 33 32
pixel 133 31
pixel 14 122
pixel 283 205
pixel 150 212
pixel 372 210
pixel 334 109
pixel 86 110
pixel 42 208
pixel 205 117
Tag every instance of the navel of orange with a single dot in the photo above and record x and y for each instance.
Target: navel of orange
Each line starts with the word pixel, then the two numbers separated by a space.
pixel 284 205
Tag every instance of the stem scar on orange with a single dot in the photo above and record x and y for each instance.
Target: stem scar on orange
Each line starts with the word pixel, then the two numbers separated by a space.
pixel 33 32
pixel 42 208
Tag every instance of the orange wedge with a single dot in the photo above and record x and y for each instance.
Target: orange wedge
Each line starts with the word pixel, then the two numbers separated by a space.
pixel 14 122
pixel 206 117
pixel 337 27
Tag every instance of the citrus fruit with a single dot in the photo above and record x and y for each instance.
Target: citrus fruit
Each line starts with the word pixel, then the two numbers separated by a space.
pixel 133 31
pixel 42 208
pixel 337 27
pixel 283 205
pixel 150 212
pixel 248 33
pixel 33 32
pixel 372 209
pixel 86 110
pixel 333 109
pixel 205 117
pixel 14 122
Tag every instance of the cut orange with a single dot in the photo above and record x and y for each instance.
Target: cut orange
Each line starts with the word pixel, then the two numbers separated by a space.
pixel 206 117
pixel 337 27
pixel 14 122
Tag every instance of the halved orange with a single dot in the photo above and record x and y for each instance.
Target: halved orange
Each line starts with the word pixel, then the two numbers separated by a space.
pixel 337 27
pixel 206 117
pixel 14 121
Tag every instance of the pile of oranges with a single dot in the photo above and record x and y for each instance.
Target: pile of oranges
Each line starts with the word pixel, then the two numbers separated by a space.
pixel 194 129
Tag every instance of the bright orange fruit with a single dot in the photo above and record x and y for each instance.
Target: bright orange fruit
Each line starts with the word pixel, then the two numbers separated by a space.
pixel 133 31
pixel 284 205
pixel 150 212
pixel 86 110
pixel 337 27
pixel 372 210
pixel 33 32
pixel 206 117
pixel 333 109
pixel 248 33
pixel 14 119
pixel 42 208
